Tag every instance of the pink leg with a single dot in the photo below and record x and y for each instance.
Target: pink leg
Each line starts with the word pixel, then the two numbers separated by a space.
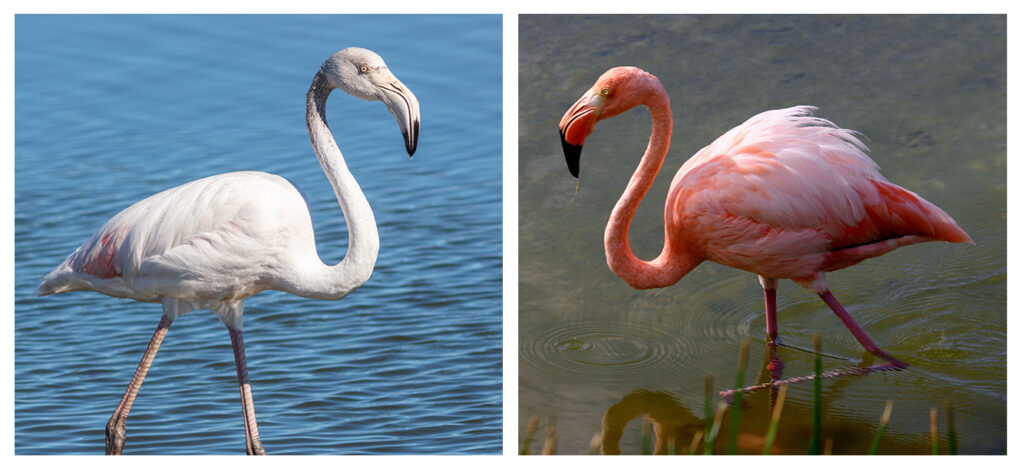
pixel 855 329
pixel 115 431
pixel 253 446
pixel 771 324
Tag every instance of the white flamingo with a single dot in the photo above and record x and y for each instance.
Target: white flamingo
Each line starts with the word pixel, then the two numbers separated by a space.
pixel 213 242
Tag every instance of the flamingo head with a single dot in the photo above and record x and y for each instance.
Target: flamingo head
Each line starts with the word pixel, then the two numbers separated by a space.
pixel 362 73
pixel 617 90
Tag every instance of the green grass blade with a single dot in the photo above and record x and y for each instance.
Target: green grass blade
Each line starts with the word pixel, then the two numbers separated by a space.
pixel 773 427
pixel 709 406
pixel 881 428
pixel 709 443
pixel 737 399
pixel 815 447
pixel 950 429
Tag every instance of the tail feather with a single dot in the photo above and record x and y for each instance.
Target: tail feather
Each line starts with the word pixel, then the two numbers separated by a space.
pixel 45 289
pixel 909 214
pixel 55 282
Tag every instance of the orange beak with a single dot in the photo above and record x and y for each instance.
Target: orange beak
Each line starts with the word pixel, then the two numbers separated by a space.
pixel 577 123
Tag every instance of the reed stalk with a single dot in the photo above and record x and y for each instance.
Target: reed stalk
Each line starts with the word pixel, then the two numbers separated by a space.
pixel 950 428
pixel 737 399
pixel 709 406
pixel 773 427
pixel 815 447
pixel 697 437
pixel 551 439
pixel 528 437
pixel 709 443
pixel 881 428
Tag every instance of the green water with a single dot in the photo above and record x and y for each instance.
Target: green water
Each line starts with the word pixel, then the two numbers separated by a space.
pixel 929 95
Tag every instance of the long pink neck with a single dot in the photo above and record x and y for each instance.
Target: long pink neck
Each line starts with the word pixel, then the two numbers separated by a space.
pixel 673 262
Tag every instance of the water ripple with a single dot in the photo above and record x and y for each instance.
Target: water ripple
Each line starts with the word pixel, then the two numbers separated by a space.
pixel 601 352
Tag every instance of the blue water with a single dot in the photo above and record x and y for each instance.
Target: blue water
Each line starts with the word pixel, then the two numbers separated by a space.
pixel 111 109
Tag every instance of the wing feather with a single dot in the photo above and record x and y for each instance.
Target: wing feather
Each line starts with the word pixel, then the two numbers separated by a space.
pixel 785 172
pixel 185 233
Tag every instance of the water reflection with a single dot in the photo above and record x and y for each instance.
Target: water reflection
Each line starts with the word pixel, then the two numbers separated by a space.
pixel 677 429
pixel 671 421
pixel 682 419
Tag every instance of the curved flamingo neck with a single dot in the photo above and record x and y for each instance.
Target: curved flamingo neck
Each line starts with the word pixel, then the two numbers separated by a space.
pixel 332 282
pixel 673 263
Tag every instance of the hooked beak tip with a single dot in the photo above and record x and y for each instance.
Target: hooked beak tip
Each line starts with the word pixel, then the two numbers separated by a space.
pixel 572 155
pixel 402 103
pixel 412 138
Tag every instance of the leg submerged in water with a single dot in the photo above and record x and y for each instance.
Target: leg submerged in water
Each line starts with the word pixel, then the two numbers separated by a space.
pixel 771 323
pixel 859 333
pixel 116 431
pixel 253 446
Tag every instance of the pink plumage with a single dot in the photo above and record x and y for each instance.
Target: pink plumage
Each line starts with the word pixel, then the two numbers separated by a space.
pixel 784 195
pixel 780 194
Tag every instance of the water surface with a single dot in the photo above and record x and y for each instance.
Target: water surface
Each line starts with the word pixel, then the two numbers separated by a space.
pixel 111 109
pixel 929 95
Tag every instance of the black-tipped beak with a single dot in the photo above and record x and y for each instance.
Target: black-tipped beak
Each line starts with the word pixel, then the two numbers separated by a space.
pixel 402 104
pixel 572 155
pixel 412 137
pixel 574 127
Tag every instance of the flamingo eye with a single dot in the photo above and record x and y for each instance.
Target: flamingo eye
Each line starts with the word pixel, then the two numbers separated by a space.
pixel 606 92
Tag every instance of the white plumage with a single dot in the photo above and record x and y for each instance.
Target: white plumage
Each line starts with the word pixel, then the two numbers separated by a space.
pixel 213 242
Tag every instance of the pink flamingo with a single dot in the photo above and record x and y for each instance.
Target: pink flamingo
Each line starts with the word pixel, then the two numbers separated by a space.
pixel 213 242
pixel 784 195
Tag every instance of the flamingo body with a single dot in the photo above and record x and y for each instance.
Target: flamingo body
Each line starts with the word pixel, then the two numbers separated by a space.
pixel 182 242
pixel 209 243
pixel 784 195
pixel 789 196
pixel 213 242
